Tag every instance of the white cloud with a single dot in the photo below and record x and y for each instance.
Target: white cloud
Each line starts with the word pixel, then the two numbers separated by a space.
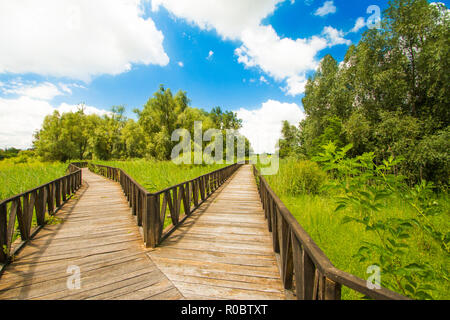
pixel 210 55
pixel 278 57
pixel 181 64
pixel 227 17
pixel 284 59
pixel 31 89
pixel 335 37
pixel 295 85
pixel 359 24
pixel 65 87
pixel 64 107
pixel 77 39
pixel 263 79
pixel 327 8
pixel 263 126
pixel 21 117
pixel 43 91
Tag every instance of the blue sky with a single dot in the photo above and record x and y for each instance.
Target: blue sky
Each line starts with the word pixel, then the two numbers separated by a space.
pixel 249 56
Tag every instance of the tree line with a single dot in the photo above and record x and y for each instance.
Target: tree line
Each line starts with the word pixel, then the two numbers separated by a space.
pixel 76 135
pixel 8 153
pixel 389 96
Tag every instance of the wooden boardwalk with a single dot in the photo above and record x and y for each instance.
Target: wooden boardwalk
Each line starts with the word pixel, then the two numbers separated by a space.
pixel 223 251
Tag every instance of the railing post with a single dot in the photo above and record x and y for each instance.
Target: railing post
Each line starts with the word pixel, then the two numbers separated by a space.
pixel 308 277
pixel 3 232
pixel 63 189
pixel 58 193
pixel 287 263
pixel 332 290
pixel 146 219
pixel 40 206
pixel 151 222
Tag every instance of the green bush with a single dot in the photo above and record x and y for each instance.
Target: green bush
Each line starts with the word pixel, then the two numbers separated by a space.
pixel 303 177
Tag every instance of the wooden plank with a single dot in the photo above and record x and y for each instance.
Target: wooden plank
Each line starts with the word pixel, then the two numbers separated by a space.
pixel 217 292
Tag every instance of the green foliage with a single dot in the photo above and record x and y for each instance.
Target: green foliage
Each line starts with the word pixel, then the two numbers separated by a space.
pixel 8 153
pixel 390 94
pixel 341 242
pixel 76 135
pixel 290 141
pixel 305 177
pixel 366 188
pixel 225 119
pixel 432 157
pixel 297 177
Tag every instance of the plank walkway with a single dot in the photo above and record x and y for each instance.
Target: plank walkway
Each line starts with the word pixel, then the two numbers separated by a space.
pixel 223 251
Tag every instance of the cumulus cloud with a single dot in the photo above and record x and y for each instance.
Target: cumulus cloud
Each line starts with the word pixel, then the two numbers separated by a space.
pixel 263 126
pixel 327 8
pixel 295 85
pixel 43 91
pixel 284 59
pixel 227 17
pixel 181 64
pixel 71 39
pixel 210 55
pixel 278 57
pixel 22 116
pixel 335 37
pixel 359 24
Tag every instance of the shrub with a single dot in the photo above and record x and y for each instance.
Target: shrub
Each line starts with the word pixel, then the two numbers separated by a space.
pixel 303 177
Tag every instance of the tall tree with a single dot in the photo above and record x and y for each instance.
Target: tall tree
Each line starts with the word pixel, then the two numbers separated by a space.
pixel 390 94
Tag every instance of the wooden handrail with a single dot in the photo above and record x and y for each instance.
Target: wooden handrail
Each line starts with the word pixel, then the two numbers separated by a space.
pixel 304 267
pixel 150 208
pixel 20 209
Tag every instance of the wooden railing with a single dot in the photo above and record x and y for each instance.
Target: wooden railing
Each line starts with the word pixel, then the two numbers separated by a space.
pixel 150 208
pixel 18 212
pixel 304 268
pixel 78 165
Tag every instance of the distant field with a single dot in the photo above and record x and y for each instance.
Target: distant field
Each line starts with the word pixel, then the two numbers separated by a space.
pixel 157 175
pixel 340 242
pixel 17 178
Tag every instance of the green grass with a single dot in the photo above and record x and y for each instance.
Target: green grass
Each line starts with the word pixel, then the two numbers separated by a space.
pixel 340 242
pixel 18 178
pixel 158 175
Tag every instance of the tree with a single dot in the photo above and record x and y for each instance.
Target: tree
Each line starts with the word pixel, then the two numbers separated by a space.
pixel 75 135
pixel 159 119
pixel 290 141
pixel 390 94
